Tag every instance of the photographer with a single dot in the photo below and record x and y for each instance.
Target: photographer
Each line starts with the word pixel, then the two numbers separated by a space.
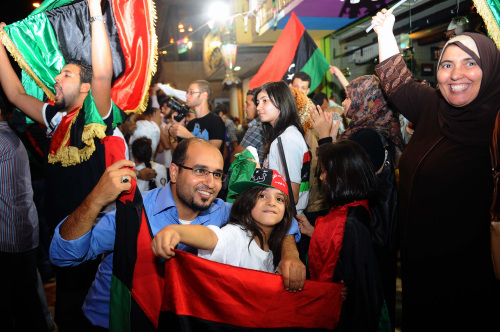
pixel 206 125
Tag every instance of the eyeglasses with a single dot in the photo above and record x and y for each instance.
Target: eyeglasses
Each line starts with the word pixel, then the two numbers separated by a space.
pixel 190 92
pixel 201 172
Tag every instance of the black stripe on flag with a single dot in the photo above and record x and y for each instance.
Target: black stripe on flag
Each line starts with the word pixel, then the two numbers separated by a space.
pixel 303 53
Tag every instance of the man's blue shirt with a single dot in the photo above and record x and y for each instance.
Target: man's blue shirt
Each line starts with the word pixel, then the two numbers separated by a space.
pixel 161 210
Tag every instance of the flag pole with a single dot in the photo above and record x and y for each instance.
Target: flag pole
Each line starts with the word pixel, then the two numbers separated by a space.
pixel 391 10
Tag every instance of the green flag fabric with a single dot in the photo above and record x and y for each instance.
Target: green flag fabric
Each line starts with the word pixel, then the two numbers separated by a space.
pixel 490 12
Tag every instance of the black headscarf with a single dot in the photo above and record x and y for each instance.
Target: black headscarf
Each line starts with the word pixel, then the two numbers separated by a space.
pixel 473 123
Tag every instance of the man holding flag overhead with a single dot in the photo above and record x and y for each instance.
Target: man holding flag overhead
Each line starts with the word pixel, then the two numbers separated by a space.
pixel 294 51
pixel 80 116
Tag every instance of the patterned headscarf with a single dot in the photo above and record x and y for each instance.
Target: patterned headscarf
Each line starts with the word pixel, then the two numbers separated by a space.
pixel 304 107
pixel 369 110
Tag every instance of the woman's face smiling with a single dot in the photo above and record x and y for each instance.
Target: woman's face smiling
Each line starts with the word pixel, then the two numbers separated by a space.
pixel 267 111
pixel 459 77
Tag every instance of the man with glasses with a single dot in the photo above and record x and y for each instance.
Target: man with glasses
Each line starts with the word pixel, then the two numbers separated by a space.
pixel 206 125
pixel 190 198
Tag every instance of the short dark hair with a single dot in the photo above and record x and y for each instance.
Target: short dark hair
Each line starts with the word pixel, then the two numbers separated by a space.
pixel 221 108
pixel 282 98
pixel 349 172
pixel 150 110
pixel 302 76
pixel 241 214
pixel 319 98
pixel 85 70
pixel 251 92
pixel 164 100
pixel 180 153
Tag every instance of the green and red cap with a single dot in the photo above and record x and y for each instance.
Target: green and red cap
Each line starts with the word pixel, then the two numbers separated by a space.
pixel 262 177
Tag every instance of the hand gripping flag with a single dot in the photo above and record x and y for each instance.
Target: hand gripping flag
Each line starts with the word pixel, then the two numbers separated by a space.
pixel 188 293
pixel 294 51
pixel 59 30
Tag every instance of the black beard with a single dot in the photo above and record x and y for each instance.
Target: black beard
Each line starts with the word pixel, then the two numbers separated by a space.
pixel 190 203
pixel 60 105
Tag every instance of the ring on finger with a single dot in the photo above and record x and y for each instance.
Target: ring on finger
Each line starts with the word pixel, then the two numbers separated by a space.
pixel 125 179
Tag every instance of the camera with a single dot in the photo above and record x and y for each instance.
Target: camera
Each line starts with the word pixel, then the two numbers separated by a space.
pixel 181 110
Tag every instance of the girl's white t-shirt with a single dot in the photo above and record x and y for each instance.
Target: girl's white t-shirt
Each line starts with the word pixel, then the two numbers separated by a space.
pixel 232 248
pixel 295 150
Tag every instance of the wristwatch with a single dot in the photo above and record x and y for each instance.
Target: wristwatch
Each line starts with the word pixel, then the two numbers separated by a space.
pixel 97 18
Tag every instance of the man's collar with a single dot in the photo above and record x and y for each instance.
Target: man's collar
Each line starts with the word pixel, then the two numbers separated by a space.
pixel 165 200
pixel 254 122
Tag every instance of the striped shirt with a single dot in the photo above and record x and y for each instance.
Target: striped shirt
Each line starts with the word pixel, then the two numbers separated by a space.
pixel 18 216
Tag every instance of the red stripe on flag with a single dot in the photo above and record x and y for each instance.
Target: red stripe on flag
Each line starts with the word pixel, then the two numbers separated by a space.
pixel 148 282
pixel 247 298
pixel 281 55
pixel 135 27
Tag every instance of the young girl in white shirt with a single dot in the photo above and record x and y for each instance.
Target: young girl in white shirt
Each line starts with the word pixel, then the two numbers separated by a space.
pixel 259 221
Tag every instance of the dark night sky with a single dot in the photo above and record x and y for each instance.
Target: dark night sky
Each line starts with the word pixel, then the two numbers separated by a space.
pixel 15 10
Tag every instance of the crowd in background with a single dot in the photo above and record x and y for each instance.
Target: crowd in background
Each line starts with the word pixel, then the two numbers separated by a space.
pixel 399 172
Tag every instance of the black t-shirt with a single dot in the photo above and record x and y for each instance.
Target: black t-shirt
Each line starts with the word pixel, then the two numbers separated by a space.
pixel 208 127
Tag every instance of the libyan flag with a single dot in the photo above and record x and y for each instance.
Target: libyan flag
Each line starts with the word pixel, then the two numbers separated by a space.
pixel 188 293
pixel 294 51
pixel 490 12
pixel 59 30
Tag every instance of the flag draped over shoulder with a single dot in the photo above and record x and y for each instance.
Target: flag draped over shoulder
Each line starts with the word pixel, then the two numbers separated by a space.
pixel 294 51
pixel 490 12
pixel 60 30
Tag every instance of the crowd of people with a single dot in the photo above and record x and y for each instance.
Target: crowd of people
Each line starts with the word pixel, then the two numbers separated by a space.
pixel 322 200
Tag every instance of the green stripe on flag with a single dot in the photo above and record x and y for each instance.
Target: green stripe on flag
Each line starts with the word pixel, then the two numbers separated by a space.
pixel 35 40
pixel 316 67
pixel 119 307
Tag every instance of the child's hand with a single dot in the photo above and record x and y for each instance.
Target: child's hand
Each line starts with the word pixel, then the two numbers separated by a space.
pixel 164 242
pixel 305 226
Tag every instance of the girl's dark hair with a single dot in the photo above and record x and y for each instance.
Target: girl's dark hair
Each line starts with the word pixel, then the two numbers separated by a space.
pixel 349 172
pixel 282 98
pixel 142 151
pixel 241 214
